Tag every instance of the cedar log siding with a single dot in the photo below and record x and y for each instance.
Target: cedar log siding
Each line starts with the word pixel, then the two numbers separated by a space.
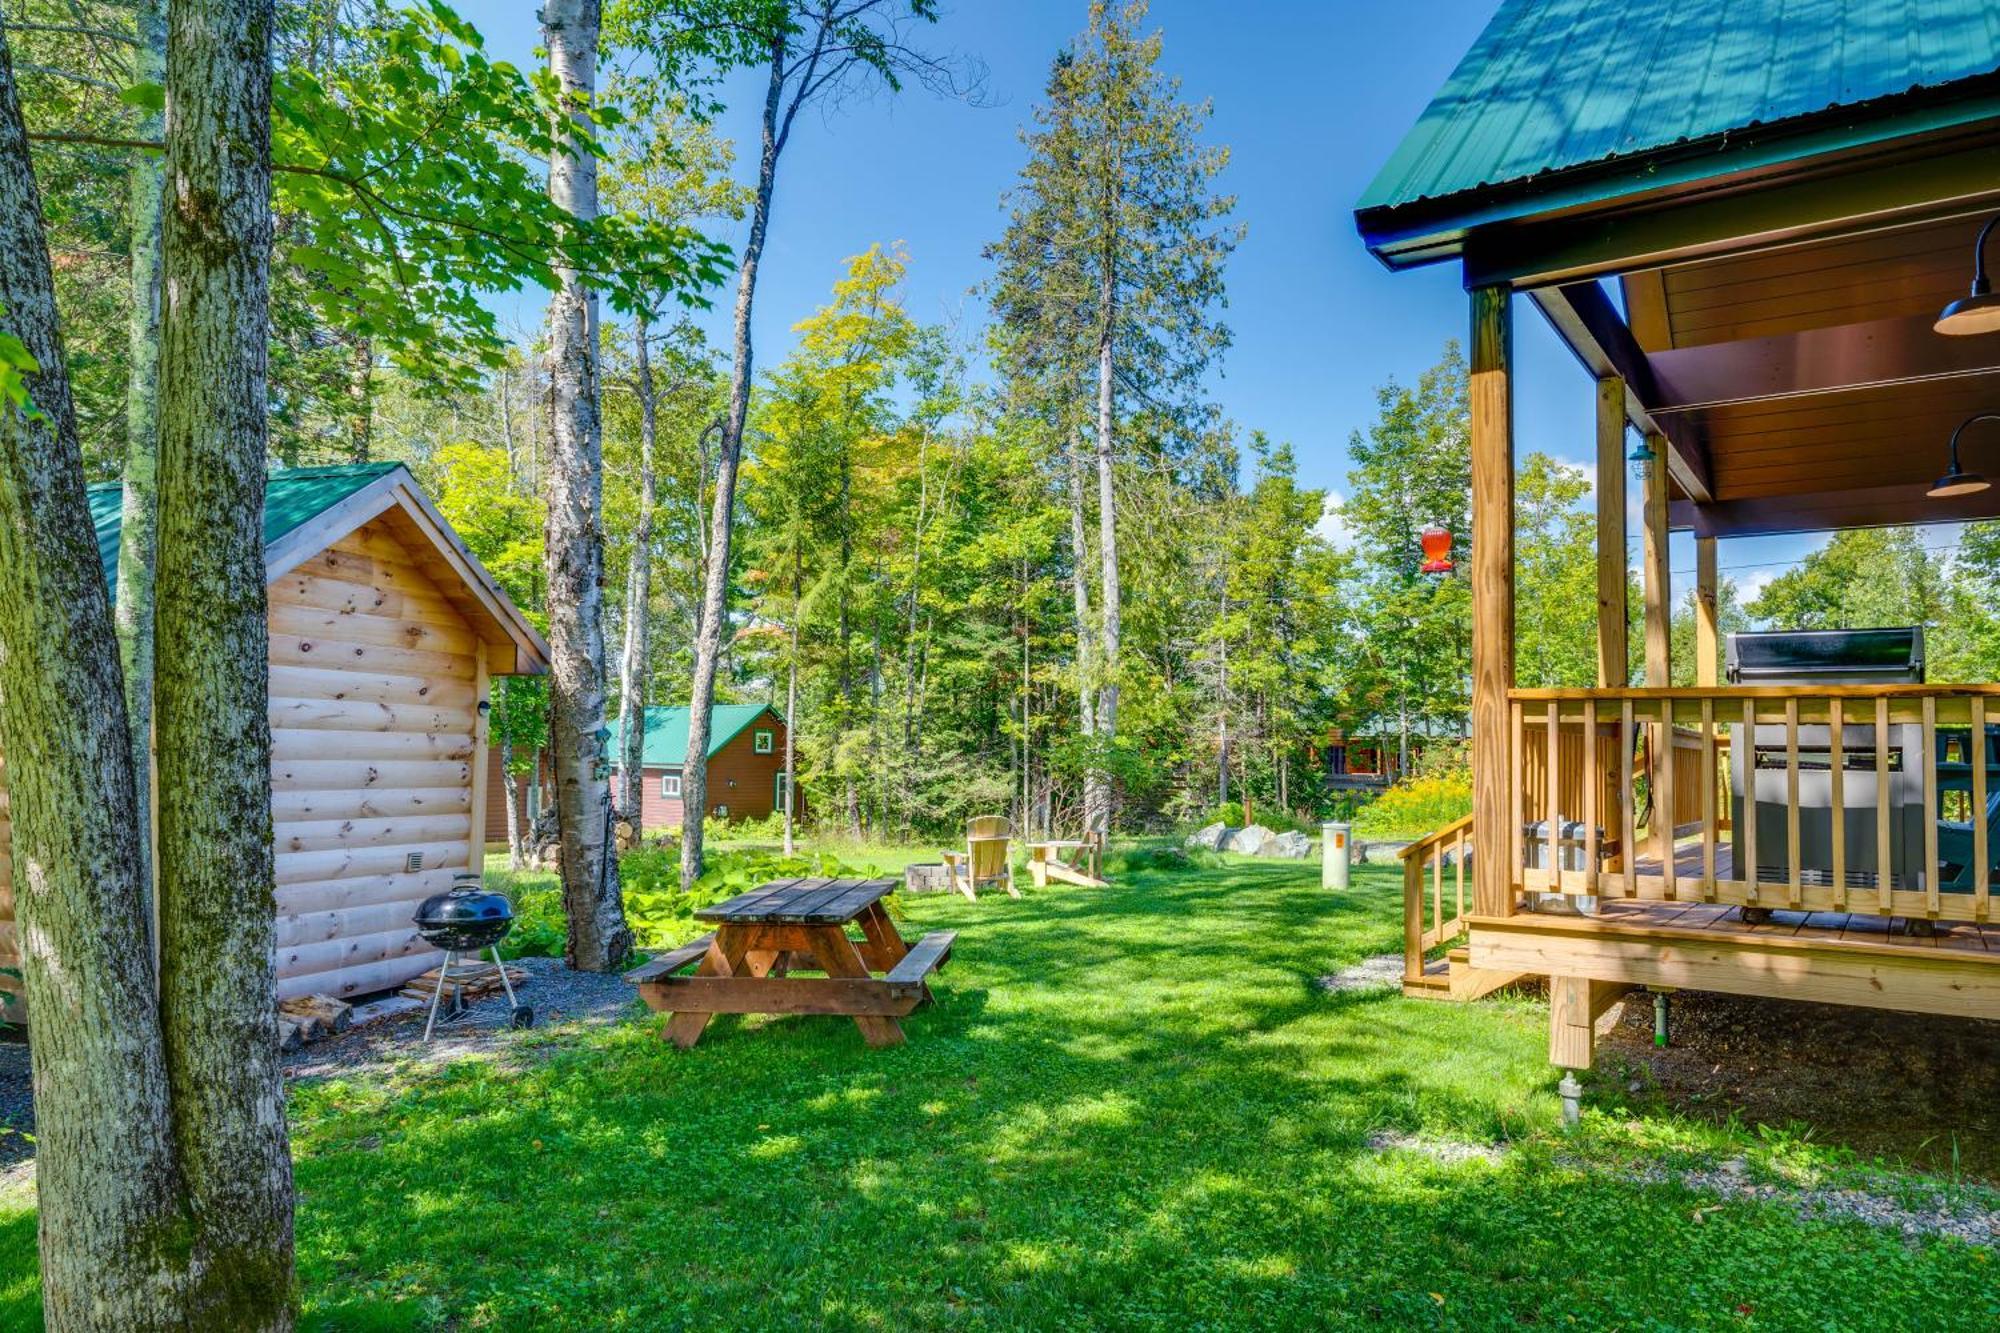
pixel 374 694
pixel 373 723
pixel 755 793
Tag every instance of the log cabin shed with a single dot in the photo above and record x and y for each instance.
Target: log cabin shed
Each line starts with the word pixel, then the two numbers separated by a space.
pixel 384 631
pixel 1755 223
pixel 746 764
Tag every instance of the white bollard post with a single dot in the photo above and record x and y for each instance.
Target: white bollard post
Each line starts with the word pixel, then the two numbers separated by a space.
pixel 1334 855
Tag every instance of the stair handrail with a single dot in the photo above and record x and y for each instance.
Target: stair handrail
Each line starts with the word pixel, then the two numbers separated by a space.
pixel 1428 851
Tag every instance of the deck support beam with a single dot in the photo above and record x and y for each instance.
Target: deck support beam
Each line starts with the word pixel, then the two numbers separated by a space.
pixel 1655 573
pixel 1707 638
pixel 1614 661
pixel 1492 403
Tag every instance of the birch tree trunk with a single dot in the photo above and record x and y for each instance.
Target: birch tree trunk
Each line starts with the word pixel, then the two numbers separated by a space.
pixel 217 909
pixel 639 594
pixel 510 787
pixel 107 1190
pixel 599 938
pixel 1094 797
pixel 1097 815
pixel 138 527
pixel 715 590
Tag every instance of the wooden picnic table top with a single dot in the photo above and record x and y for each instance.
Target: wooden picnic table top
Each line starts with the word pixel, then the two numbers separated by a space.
pixel 800 902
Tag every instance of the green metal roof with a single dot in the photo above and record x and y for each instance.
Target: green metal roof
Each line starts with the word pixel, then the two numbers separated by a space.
pixel 1553 85
pixel 291 497
pixel 666 744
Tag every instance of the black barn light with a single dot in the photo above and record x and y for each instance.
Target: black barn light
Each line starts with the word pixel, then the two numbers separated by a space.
pixel 1979 312
pixel 1956 480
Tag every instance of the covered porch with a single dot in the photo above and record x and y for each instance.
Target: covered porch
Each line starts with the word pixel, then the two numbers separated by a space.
pixel 1758 295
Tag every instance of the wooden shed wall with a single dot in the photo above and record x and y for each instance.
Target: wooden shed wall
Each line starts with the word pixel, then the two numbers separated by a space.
pixel 375 681
pixel 375 740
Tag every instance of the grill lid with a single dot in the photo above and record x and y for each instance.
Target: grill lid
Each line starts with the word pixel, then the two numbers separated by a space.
pixel 1828 656
pixel 467 916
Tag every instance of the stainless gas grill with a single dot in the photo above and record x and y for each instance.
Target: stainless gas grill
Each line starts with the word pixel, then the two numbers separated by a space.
pixel 1759 761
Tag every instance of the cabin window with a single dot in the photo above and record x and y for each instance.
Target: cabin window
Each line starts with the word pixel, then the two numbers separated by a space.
pixel 761 740
pixel 780 791
pixel 721 812
pixel 670 786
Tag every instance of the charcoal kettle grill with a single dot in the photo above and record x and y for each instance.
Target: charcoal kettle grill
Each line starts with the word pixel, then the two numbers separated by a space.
pixel 467 919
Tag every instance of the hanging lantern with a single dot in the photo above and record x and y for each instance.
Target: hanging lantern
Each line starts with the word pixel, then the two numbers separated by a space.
pixel 1436 542
pixel 1643 459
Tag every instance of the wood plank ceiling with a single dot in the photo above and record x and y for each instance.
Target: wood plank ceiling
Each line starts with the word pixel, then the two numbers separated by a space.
pixel 1812 378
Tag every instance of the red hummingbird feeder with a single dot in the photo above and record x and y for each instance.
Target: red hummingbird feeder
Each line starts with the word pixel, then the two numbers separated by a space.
pixel 1436 542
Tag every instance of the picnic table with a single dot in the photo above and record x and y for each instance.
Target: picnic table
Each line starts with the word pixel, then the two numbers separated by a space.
pixel 763 937
pixel 1071 860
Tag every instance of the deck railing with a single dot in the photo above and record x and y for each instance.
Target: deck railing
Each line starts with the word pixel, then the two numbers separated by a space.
pixel 1900 824
pixel 1434 889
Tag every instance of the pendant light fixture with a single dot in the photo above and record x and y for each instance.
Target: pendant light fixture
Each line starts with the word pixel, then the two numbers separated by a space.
pixel 1957 481
pixel 1979 312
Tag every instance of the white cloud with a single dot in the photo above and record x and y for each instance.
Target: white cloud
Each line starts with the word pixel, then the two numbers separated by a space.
pixel 1332 526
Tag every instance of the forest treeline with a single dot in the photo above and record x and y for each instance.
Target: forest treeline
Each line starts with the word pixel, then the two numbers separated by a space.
pixel 1018 563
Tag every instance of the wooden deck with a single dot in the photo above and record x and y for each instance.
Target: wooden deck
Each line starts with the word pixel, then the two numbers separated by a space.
pixel 1815 927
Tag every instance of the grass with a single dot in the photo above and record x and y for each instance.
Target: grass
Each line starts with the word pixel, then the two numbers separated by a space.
pixel 1129 1108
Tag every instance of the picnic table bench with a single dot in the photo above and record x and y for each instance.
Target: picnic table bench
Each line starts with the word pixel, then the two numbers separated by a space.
pixel 764 936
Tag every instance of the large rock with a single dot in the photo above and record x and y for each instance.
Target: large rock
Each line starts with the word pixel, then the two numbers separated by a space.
pixel 1209 839
pixel 1250 841
pixel 1292 845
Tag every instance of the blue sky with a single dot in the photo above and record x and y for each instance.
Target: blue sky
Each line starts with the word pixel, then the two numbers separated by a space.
pixel 1310 96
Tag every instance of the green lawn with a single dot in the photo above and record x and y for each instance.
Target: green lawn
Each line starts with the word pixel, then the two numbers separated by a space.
pixel 1129 1108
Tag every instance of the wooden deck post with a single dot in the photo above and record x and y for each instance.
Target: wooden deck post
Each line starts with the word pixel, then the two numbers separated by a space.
pixel 1706 638
pixel 1659 590
pixel 1614 667
pixel 1492 597
pixel 1658 580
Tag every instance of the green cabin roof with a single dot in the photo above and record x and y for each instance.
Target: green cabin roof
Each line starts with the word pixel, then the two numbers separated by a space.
pixel 291 497
pixel 1552 86
pixel 666 744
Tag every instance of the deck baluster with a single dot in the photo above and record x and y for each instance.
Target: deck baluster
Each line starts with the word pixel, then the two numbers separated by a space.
pixel 1517 857
pixel 1747 872
pixel 1628 827
pixel 1981 871
pixel 1664 807
pixel 1930 758
pixel 1836 776
pixel 1794 875
pixel 1591 779
pixel 1554 829
pixel 1885 888
pixel 1708 800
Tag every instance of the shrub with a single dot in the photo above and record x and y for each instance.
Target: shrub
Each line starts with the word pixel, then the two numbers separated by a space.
pixel 1418 805
pixel 1230 813
pixel 659 913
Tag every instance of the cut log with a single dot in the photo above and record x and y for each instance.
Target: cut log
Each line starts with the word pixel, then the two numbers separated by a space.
pixel 331 1014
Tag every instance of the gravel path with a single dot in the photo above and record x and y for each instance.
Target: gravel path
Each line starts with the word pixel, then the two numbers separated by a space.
pixel 1384 969
pixel 559 996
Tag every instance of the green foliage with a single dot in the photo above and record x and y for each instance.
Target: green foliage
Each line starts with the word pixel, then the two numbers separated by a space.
pixel 661 915
pixel 16 364
pixel 1418 805
pixel 406 171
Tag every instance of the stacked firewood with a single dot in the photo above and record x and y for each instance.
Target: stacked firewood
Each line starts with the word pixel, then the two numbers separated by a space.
pixel 308 1018
pixel 471 981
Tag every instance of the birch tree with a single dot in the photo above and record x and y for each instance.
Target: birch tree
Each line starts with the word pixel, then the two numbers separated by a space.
pixel 599 938
pixel 812 52
pixel 1110 274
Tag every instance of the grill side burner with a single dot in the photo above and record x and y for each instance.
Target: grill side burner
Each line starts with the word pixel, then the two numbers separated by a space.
pixel 1758 762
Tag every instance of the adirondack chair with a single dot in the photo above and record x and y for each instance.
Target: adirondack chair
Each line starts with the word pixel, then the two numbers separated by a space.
pixel 987 858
